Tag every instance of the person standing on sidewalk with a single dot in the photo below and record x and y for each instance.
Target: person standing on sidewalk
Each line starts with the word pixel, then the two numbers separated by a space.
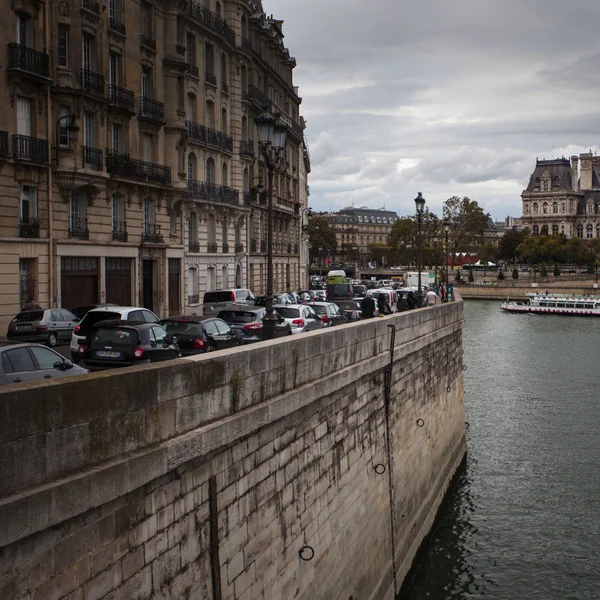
pixel 367 306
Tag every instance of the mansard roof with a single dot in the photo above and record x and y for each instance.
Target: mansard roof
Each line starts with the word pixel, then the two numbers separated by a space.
pixel 559 171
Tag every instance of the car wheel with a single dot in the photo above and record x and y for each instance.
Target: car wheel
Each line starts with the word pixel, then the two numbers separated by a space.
pixel 52 340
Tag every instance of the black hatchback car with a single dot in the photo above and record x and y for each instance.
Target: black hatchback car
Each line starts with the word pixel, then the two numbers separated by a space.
pixel 196 335
pixel 113 344
pixel 248 323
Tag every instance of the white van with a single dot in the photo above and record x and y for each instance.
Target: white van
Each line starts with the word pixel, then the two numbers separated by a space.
pixel 392 297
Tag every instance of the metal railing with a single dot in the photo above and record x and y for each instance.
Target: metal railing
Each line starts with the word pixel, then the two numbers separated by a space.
pixel 148 42
pixel 247 147
pixel 116 25
pixel 246 44
pixel 92 158
pixel 121 97
pixel 225 248
pixel 212 191
pixel 194 246
pixel 29 60
pixel 259 97
pixel 224 87
pixel 152 109
pixel 3 144
pixel 210 20
pixel 193 70
pixel 119 231
pixel 121 165
pixel 92 82
pixel 78 229
pixel 211 247
pixel 29 228
pixel 91 5
pixel 29 148
pixel 210 137
pixel 210 78
pixel 152 234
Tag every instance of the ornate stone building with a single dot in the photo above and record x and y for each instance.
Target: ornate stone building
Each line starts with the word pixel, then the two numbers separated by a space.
pixel 128 153
pixel 564 196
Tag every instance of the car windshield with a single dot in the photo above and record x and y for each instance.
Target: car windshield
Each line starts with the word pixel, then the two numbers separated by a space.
pixel 26 317
pixel 92 318
pixel 236 316
pixel 114 337
pixel 288 313
pixel 182 327
pixel 211 297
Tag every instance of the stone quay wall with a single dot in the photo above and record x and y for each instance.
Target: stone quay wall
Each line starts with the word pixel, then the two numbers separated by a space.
pixel 310 467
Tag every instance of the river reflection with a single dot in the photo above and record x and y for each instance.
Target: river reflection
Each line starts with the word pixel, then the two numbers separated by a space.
pixel 524 520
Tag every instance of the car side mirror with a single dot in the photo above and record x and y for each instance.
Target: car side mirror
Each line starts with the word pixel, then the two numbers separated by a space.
pixel 67 364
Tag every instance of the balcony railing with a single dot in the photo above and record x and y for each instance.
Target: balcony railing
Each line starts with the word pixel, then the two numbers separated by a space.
pixel 211 20
pixel 210 78
pixel 152 109
pixel 28 60
pixel 29 228
pixel 121 98
pixel 263 245
pixel 148 42
pixel 152 234
pixel 246 44
pixel 119 231
pixel 247 147
pixel 212 191
pixel 3 144
pixel 193 299
pixel 225 248
pixel 225 87
pixel 248 198
pixel 252 245
pixel 193 246
pixel 121 165
pixel 31 149
pixel 92 158
pixel 239 248
pixel 259 97
pixel 78 229
pixel 209 137
pixel 193 70
pixel 211 247
pixel 91 5
pixel 92 82
pixel 116 25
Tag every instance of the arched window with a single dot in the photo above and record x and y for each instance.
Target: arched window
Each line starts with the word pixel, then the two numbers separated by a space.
pixel 210 170
pixel 224 277
pixel 554 229
pixel 545 208
pixel 209 117
pixel 224 120
pixel 193 229
pixel 191 107
pixel 526 207
pixel 546 185
pixel 193 285
pixel 580 230
pixel 192 166
pixel 536 230
pixel 535 208
pixel 555 208
pixel 224 175
pixel 590 231
pixel 210 279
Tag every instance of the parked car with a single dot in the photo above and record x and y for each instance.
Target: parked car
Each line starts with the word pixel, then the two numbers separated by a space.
pixel 359 290
pixel 351 308
pixel 248 323
pixel 281 298
pixel 107 313
pixel 33 362
pixel 321 295
pixel 196 335
pixel 123 343
pixel 49 326
pixel 330 313
pixel 81 311
pixel 219 299
pixel 391 295
pixel 300 317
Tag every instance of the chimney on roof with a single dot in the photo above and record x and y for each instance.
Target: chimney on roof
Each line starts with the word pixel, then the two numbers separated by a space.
pixel 585 172
pixel 575 173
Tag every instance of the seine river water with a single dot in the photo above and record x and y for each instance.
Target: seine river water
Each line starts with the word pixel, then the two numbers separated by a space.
pixel 524 520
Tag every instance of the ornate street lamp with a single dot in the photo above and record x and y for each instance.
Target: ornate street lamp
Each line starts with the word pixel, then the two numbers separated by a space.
pixel 271 141
pixel 420 206
pixel 446 233
pixel 435 257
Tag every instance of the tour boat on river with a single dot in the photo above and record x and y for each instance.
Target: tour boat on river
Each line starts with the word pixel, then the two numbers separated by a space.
pixel 555 304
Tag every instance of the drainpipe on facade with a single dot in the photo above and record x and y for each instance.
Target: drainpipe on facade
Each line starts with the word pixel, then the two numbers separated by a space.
pixel 51 295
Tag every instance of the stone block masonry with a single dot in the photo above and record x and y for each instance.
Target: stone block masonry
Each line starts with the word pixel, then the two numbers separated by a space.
pixel 306 468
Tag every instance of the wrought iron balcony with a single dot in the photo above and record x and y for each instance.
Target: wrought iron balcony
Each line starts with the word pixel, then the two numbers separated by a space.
pixel 29 228
pixel 252 245
pixel 211 247
pixel 210 78
pixel 211 20
pixel 31 149
pixel 152 109
pixel 78 229
pixel 194 246
pixel 225 87
pixel 225 248
pixel 3 144
pixel 148 42
pixel 92 82
pixel 91 5
pixel 116 25
pixel 92 158
pixel 247 147
pixel 122 165
pixel 246 44
pixel 193 70
pixel 194 299
pixel 121 98
pixel 263 245
pixel 209 137
pixel 239 248
pixel 152 234
pixel 119 231
pixel 27 60
pixel 259 97
pixel 212 191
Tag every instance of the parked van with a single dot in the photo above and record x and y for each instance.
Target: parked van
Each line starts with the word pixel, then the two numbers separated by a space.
pixel 392 297
pixel 218 300
pixel 334 277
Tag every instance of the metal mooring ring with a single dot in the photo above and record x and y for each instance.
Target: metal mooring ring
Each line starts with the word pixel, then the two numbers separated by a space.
pixel 448 389
pixel 420 422
pixel 464 367
pixel 380 469
pixel 467 425
pixel 307 553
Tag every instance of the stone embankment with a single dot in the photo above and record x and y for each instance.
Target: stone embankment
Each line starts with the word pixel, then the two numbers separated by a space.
pixel 517 289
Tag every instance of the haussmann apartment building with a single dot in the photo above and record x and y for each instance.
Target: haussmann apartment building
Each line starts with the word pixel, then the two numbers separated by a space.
pixel 129 165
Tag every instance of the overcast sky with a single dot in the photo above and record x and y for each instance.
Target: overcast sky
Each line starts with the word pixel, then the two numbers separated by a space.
pixel 448 98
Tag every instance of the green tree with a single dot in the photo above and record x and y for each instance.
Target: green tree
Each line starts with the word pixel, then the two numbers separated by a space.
pixel 515 274
pixel 321 238
pixel 468 223
pixel 507 248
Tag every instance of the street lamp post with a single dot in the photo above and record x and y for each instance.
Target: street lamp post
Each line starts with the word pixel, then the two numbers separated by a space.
pixel 420 206
pixel 446 233
pixel 435 258
pixel 271 141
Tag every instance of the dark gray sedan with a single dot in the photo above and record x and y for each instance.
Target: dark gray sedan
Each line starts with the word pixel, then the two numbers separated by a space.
pixel 49 326
pixel 33 362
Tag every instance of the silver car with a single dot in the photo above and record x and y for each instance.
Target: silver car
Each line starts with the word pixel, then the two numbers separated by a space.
pixel 49 326
pixel 300 317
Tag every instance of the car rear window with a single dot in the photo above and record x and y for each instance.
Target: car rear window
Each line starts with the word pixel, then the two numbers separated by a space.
pixel 288 313
pixel 211 297
pixel 114 337
pixel 182 328
pixel 320 310
pixel 95 317
pixel 235 316
pixel 26 317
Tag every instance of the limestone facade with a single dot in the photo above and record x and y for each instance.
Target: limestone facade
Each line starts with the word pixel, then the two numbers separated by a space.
pixel 128 153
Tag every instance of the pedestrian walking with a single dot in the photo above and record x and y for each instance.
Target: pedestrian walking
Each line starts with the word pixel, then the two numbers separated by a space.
pixel 442 292
pixel 367 306
pixel 431 298
pixel 402 303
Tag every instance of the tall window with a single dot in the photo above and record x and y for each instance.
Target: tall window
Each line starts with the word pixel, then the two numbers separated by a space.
pixel 193 228
pixel 147 82
pixel 554 229
pixel 211 230
pixel 535 208
pixel 87 46
pixel 224 77
pixel 190 44
pixel 590 231
pixel 545 208
pixel 24 116
pixel 147 140
pixel 191 107
pixel 149 216
pixel 580 230
pixel 224 176
pixel 118 212
pixel 114 68
pixel 536 230
pixel 209 60
pixel 89 129
pixel 210 114
pixel 117 137
pixel 63 45
pixel 147 19
pixel 28 203
pixel 78 211
pixel 114 10
pixel 224 120
pixel 210 171
pixel 192 166
pixel 25 30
